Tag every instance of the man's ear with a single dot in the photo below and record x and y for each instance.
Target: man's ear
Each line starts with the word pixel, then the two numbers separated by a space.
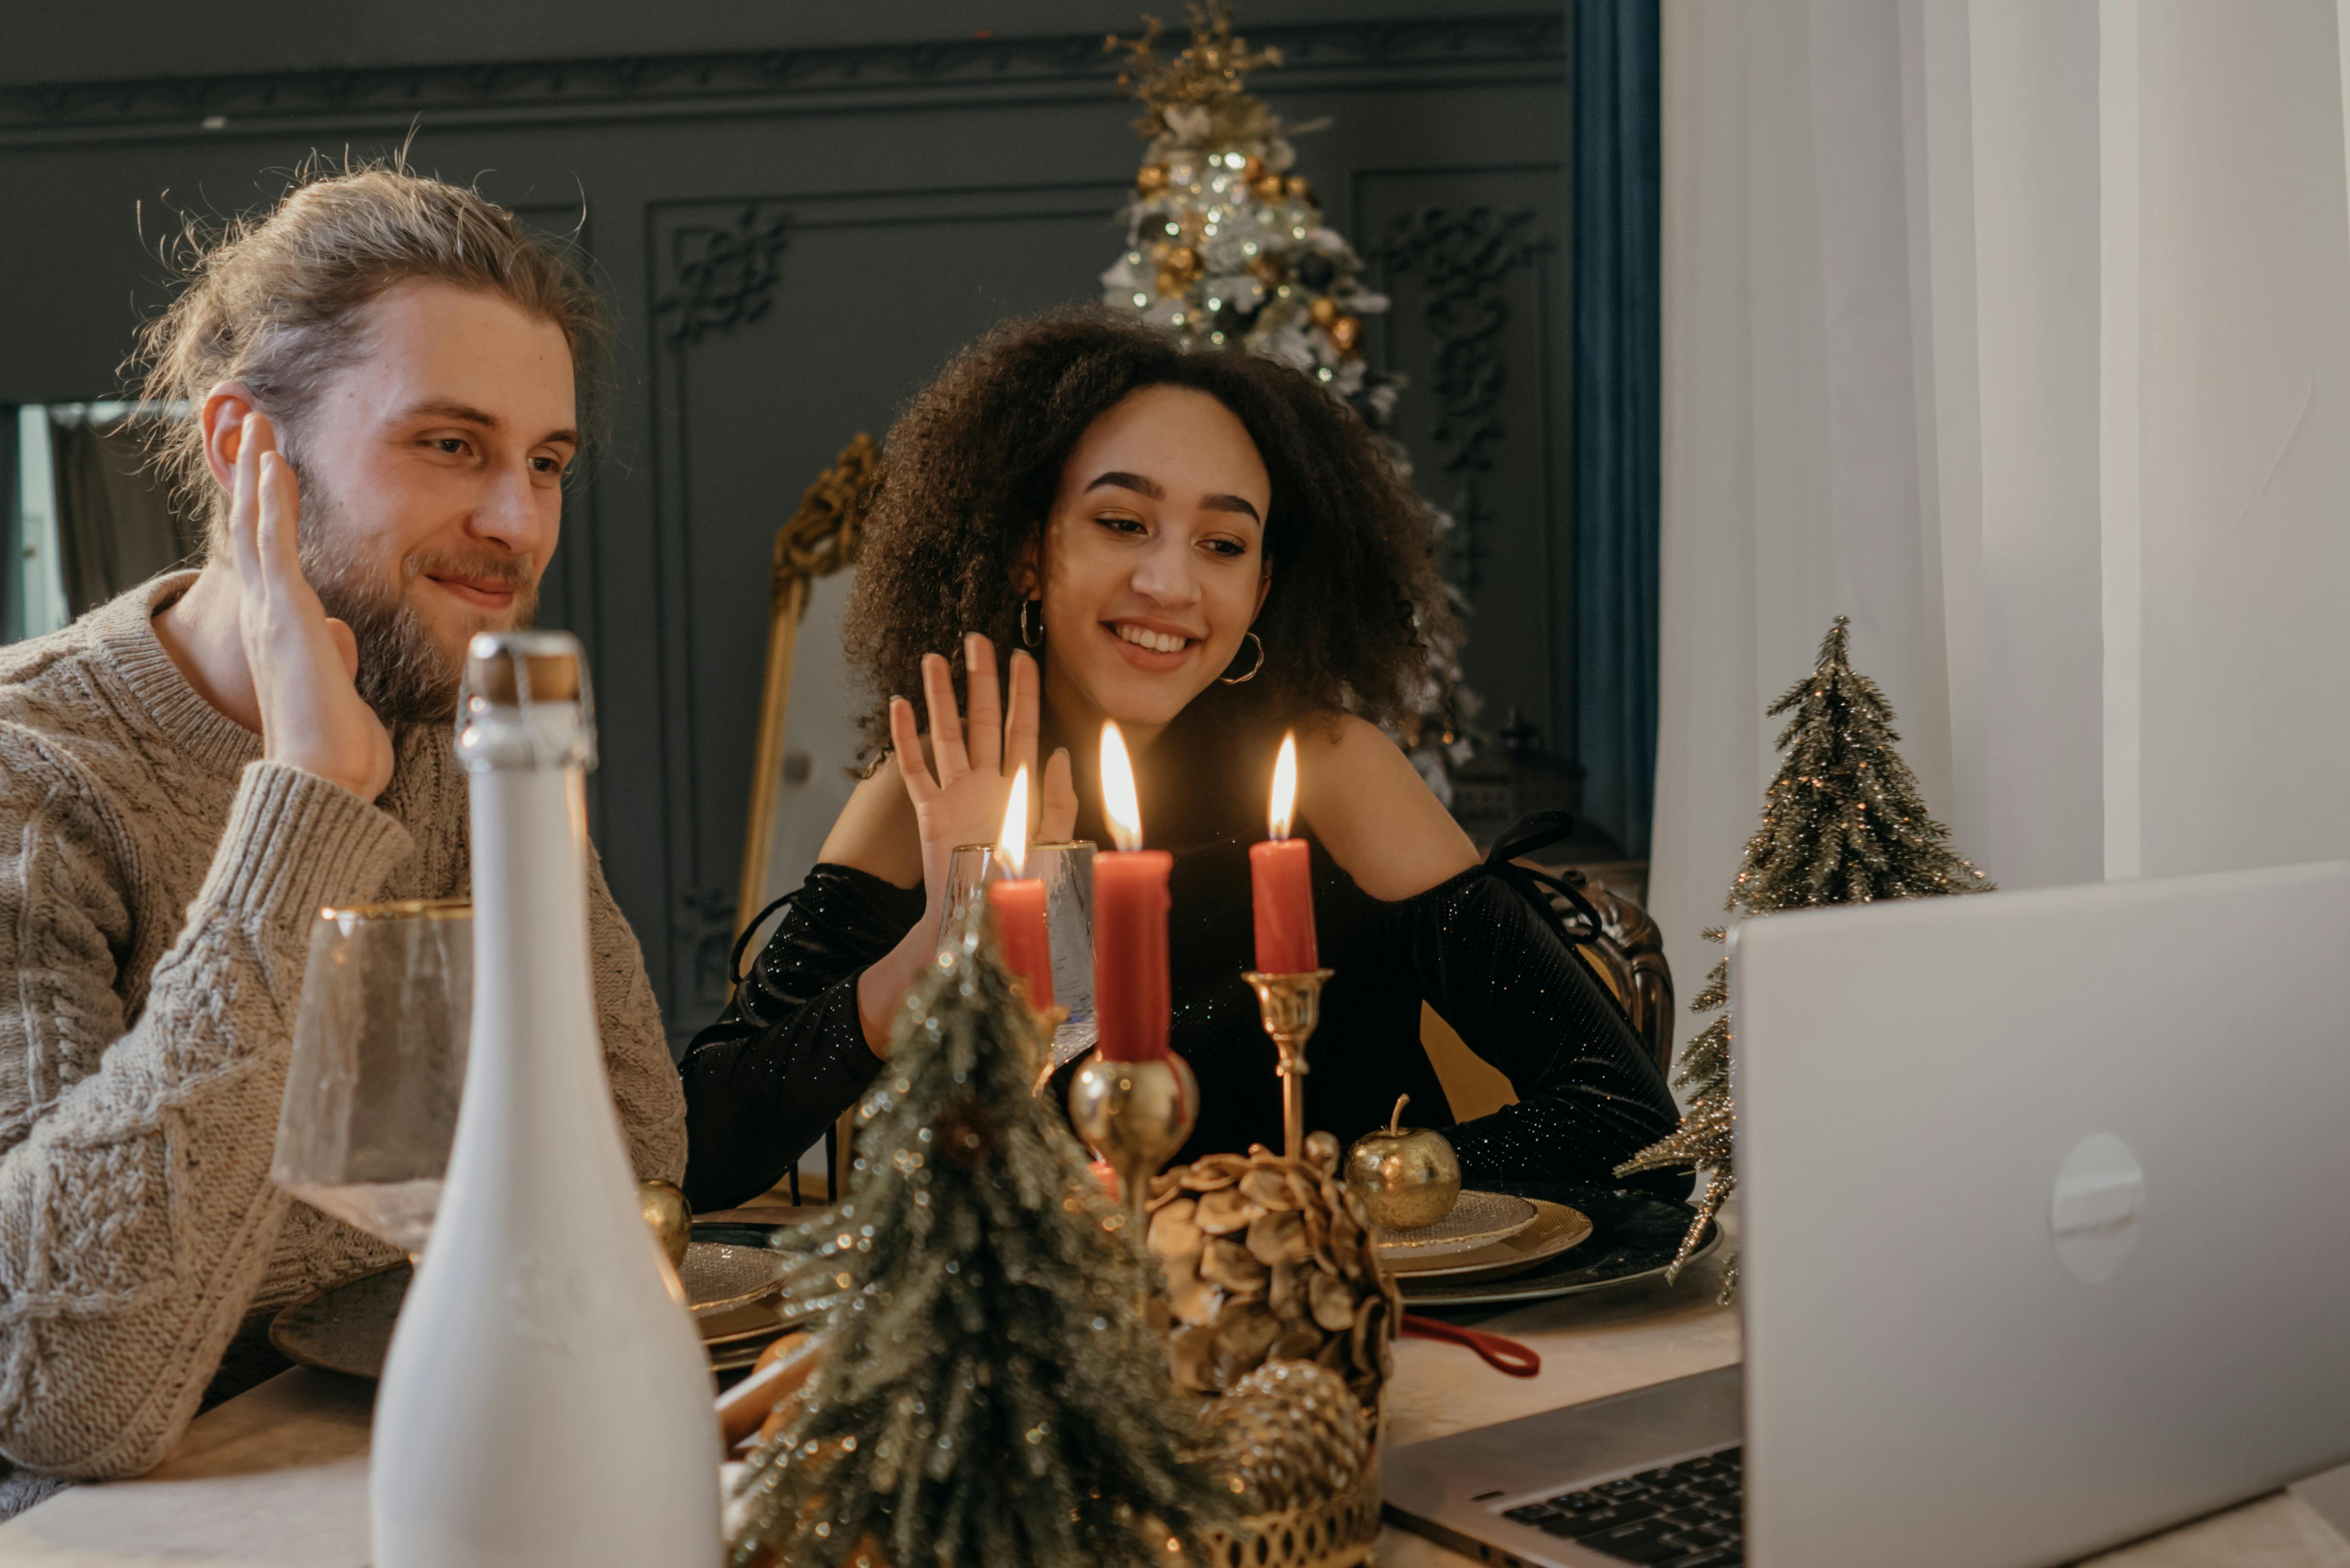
pixel 226 408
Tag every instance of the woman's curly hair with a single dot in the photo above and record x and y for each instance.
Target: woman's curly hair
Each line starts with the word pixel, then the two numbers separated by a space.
pixel 974 463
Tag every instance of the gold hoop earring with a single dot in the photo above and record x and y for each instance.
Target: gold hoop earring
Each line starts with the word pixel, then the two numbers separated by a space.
pixel 1026 639
pixel 1242 680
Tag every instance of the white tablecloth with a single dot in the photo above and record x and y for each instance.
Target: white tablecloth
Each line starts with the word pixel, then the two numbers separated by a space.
pixel 277 1478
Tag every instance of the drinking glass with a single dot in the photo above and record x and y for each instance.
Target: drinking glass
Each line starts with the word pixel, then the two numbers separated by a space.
pixel 1067 869
pixel 379 1064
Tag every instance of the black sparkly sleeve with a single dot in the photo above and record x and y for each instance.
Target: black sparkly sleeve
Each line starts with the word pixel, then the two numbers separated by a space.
pixel 788 1055
pixel 1589 1096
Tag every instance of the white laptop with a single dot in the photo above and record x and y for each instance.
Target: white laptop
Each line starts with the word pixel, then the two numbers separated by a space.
pixel 2045 1246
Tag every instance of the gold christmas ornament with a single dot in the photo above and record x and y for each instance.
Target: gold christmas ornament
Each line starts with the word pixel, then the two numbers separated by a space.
pixel 1345 334
pixel 1300 187
pixel 1254 170
pixel 669 1215
pixel 1324 310
pixel 1204 79
pixel 1268 188
pixel 1406 1177
pixel 1269 1259
pixel 1150 178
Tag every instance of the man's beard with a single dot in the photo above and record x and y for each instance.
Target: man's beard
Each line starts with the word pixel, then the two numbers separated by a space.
pixel 405 675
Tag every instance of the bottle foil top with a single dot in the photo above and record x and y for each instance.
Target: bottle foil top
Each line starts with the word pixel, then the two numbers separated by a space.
pixel 525 703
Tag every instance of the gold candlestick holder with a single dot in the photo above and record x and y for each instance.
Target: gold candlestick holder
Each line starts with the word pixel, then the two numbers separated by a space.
pixel 1290 1005
pixel 1133 1114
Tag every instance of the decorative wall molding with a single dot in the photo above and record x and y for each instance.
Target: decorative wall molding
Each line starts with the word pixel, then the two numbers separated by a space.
pixel 714 271
pixel 1461 259
pixel 197 106
pixel 724 276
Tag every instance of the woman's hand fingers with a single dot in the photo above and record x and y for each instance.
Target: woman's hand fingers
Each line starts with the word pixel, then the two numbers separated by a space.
pixel 905 738
pixel 1056 816
pixel 985 739
pixel 1020 728
pixel 947 755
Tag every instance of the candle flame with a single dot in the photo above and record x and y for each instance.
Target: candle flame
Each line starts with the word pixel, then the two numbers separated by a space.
pixel 1284 787
pixel 1119 801
pixel 1012 845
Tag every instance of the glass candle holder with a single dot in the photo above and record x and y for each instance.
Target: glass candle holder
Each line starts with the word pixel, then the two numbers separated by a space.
pixel 1067 869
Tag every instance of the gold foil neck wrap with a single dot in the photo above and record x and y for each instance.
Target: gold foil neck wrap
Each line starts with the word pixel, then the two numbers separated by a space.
pixel 554 677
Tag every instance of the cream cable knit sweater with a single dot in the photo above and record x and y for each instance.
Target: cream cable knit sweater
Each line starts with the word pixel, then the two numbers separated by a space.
pixel 157 885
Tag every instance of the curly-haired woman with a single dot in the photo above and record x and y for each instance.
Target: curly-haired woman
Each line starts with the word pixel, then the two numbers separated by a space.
pixel 1207 549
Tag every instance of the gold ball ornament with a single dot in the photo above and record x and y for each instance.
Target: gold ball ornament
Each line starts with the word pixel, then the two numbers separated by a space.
pixel 1254 170
pixel 1406 1178
pixel 1345 334
pixel 1268 189
pixel 1150 178
pixel 1324 310
pixel 1300 187
pixel 668 1216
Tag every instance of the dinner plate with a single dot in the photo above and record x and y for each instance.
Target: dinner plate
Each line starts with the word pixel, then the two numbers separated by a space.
pixel 1554 1229
pixel 1634 1237
pixel 347 1327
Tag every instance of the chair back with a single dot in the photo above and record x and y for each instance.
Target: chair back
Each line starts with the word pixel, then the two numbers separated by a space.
pixel 1627 954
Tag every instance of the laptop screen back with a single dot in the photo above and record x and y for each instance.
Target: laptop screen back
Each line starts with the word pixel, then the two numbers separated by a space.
pixel 2046 1214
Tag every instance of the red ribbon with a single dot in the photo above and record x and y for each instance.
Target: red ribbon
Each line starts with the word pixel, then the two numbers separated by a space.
pixel 1502 1355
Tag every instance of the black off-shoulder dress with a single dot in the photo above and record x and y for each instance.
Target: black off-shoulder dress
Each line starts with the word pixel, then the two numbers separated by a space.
pixel 789 1056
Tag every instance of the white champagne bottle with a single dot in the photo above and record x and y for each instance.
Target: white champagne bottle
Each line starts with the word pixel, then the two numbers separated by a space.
pixel 546 1399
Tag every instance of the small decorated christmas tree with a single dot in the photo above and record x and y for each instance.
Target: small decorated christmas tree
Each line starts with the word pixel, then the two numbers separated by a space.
pixel 989 1391
pixel 1843 823
pixel 1225 245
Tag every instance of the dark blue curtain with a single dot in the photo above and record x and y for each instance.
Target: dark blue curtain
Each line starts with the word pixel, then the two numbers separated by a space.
pixel 1616 172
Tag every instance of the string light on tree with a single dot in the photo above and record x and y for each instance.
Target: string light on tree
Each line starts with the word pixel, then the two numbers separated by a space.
pixel 1843 823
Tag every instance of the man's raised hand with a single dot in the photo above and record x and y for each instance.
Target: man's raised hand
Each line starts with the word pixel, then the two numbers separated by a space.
pixel 303 660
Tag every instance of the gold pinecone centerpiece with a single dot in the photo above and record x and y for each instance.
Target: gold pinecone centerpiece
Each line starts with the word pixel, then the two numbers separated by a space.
pixel 1266 1259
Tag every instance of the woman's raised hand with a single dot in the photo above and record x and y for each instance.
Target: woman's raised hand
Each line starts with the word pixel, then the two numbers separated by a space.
pixel 958 791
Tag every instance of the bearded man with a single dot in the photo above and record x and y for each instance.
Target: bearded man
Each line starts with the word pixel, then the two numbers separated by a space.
pixel 385 374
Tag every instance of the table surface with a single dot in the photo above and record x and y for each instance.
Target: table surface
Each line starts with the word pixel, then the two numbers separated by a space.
pixel 277 1478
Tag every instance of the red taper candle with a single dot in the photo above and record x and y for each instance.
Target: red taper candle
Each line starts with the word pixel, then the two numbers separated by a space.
pixel 1018 903
pixel 1281 881
pixel 1131 994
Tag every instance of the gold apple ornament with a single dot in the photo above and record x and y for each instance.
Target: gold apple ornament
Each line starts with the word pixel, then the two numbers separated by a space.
pixel 1407 1178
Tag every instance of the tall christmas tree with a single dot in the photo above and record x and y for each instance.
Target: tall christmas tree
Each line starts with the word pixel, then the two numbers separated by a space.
pixel 989 1390
pixel 1843 823
pixel 1226 246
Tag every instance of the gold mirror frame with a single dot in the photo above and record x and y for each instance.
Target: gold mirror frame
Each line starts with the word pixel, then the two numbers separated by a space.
pixel 820 538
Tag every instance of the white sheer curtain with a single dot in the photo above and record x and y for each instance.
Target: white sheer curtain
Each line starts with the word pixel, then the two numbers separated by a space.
pixel 2014 330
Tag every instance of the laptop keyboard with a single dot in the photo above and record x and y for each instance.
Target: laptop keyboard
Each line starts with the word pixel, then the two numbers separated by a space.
pixel 1681 1516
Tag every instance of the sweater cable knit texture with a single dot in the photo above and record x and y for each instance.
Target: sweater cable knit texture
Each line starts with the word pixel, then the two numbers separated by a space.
pixel 158 882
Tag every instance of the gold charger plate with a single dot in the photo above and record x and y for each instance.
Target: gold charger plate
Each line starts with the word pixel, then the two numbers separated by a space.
pixel 1554 1230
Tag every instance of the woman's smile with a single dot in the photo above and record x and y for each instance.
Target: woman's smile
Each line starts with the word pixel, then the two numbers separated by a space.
pixel 1151 645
